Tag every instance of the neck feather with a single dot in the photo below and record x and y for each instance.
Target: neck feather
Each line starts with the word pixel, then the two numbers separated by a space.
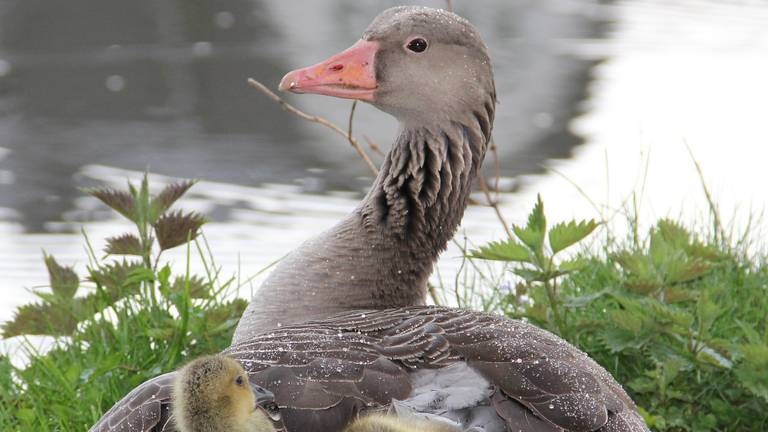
pixel 382 254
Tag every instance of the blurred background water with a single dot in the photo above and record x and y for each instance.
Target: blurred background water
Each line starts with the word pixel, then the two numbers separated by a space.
pixel 612 97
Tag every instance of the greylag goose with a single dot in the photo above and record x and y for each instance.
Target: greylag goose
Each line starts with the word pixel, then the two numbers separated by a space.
pixel 371 344
pixel 213 394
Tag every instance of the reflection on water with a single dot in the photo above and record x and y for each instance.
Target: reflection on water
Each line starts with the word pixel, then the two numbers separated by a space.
pixel 162 85
pixel 91 88
pixel 95 92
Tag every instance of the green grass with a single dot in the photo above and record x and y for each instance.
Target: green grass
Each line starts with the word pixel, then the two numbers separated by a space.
pixel 679 318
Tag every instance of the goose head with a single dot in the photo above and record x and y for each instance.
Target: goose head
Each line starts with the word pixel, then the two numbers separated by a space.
pixel 421 65
pixel 213 394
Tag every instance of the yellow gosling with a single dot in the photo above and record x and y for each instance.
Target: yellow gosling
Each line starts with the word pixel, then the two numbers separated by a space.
pixel 213 394
pixel 391 423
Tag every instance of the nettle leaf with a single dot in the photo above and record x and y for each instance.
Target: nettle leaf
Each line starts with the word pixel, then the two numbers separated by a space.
pixel 122 202
pixel 198 287
pixel 509 250
pixel 679 294
pixel 572 265
pixel 673 233
pixel 115 278
pixel 534 232
pixel 564 235
pixel 660 251
pixel 669 313
pixel 637 264
pixel 642 285
pixel 64 280
pixel 531 275
pixel 679 271
pixel 752 371
pixel 584 300
pixel 536 220
pixel 225 316
pixel 126 244
pixel 175 229
pixel 40 319
pixel 618 340
pixel 170 194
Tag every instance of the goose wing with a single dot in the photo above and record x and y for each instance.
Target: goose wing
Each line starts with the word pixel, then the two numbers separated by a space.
pixel 146 408
pixel 324 372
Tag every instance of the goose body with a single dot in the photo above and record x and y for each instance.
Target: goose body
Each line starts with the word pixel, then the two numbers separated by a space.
pixel 512 376
pixel 363 341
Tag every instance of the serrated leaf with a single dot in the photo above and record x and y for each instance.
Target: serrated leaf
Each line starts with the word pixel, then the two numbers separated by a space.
pixel 572 265
pixel 564 235
pixel 40 319
pixel 64 281
pixel 532 239
pixel 581 301
pixel 120 201
pixel 752 371
pixel 679 271
pixel 114 278
pixel 529 275
pixel 509 250
pixel 673 233
pixel 661 252
pixel 707 312
pixel 679 294
pixel 634 263
pixel 536 220
pixel 198 288
pixel 665 312
pixel 534 232
pixel 749 331
pixel 165 199
pixel 175 229
pixel 126 244
pixel 642 286
pixel 617 339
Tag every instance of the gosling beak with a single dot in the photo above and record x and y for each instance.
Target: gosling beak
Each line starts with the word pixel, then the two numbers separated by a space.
pixel 263 396
pixel 350 74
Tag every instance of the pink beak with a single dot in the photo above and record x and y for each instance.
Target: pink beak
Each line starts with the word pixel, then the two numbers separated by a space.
pixel 350 74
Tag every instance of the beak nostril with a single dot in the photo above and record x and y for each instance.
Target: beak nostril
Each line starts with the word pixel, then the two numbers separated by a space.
pixel 337 67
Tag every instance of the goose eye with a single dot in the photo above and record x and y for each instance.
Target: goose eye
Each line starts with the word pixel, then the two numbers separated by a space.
pixel 239 380
pixel 417 45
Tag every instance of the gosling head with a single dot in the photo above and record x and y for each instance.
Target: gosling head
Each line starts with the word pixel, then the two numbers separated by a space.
pixel 213 394
pixel 395 423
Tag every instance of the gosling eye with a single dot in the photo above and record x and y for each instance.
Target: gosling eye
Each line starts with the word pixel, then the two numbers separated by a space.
pixel 240 380
pixel 417 45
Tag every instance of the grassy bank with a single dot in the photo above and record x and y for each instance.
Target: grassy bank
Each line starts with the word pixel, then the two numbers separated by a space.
pixel 678 318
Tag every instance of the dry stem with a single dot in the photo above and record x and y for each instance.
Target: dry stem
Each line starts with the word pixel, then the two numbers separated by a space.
pixel 494 204
pixel 317 119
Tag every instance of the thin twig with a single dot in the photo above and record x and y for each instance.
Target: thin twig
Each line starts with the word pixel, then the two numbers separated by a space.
pixel 496 167
pixel 315 119
pixel 449 5
pixel 494 204
pixel 373 146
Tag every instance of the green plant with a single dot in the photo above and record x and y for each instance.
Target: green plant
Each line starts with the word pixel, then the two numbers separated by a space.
pixel 536 261
pixel 680 319
pixel 130 320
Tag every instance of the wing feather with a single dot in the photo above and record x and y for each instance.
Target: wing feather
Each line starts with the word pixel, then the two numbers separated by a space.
pixel 324 372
